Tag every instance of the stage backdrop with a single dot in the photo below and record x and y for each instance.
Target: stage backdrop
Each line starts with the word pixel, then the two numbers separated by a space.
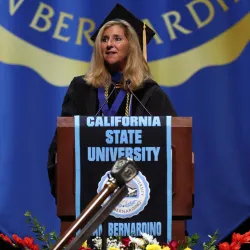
pixel 200 55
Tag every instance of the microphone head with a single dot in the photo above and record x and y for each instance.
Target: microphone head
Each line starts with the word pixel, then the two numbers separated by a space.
pixel 128 81
pixel 124 170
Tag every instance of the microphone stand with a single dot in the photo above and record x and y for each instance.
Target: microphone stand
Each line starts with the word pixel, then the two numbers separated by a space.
pixel 105 101
pixel 132 93
pixel 98 218
pixel 123 171
pixel 109 188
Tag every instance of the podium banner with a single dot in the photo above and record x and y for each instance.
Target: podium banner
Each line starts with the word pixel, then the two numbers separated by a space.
pixel 99 142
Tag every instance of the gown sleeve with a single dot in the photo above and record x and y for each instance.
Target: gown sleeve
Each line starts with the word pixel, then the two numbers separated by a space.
pixel 159 103
pixel 68 109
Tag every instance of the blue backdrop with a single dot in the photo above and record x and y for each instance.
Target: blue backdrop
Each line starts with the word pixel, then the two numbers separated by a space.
pixel 200 56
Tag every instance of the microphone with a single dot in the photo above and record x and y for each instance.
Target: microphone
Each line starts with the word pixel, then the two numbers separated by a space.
pixel 105 102
pixel 122 172
pixel 128 81
pixel 116 78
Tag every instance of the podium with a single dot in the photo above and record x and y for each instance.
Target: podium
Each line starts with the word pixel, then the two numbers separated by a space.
pixel 182 170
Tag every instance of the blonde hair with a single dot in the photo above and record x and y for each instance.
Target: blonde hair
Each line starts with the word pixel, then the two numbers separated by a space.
pixel 136 68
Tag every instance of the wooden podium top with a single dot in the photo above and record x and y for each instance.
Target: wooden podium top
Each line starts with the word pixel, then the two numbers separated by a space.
pixel 176 122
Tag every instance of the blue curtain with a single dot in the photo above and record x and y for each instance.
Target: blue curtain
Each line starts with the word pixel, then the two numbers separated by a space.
pixel 200 57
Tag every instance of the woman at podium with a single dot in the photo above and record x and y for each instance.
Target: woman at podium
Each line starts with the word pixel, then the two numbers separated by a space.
pixel 118 81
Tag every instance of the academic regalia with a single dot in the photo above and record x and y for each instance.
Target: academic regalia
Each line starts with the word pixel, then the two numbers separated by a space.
pixel 82 99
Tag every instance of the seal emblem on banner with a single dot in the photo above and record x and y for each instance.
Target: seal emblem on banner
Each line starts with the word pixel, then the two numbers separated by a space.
pixel 136 199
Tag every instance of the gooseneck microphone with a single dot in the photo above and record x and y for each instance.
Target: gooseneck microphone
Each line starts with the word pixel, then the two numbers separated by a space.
pixel 128 81
pixel 105 102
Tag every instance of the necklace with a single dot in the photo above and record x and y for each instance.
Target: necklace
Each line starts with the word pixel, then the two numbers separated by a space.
pixel 127 100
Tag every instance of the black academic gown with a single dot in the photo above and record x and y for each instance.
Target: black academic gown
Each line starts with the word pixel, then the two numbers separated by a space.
pixel 82 99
